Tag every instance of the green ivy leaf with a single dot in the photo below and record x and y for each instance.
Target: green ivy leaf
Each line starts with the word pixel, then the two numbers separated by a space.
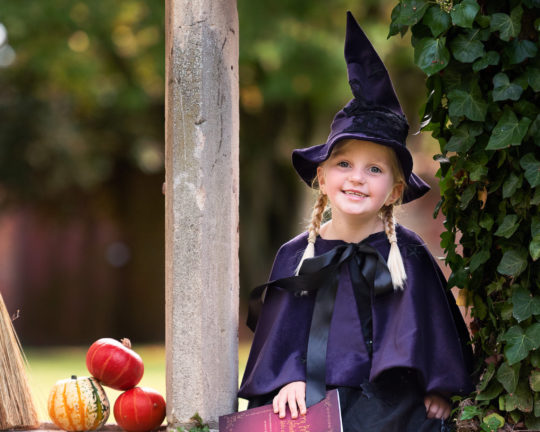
pixel 493 422
pixel 535 226
pixel 534 381
pixel 524 304
pixel 467 195
pixel 483 20
pixel 534 358
pixel 490 59
pixel 491 392
pixel 508 226
pixel 519 50
pixel 513 263
pixel 511 185
pixel 467 48
pixel 437 20
pixel 486 377
pixel 534 130
pixel 508 376
pixel 536 197
pixel 486 221
pixel 503 89
pixel 480 308
pixel 528 109
pixel 519 343
pixel 477 170
pixel 395 26
pixel 508 26
pixel 458 278
pixel 519 200
pixel 505 311
pixel 522 398
pixel 523 81
pixel 469 104
pixel 478 259
pixel 463 138
pixel 532 169
pixel 533 78
pixel 534 248
pixel 532 422
pixel 431 55
pixel 411 12
pixel 463 14
pixel 508 131
pixel 470 412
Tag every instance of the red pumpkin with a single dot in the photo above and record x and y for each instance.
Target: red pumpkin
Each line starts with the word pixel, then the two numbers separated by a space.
pixel 140 409
pixel 115 364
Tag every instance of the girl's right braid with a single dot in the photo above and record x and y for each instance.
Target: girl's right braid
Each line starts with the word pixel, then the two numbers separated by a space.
pixel 395 261
pixel 314 227
pixel 316 217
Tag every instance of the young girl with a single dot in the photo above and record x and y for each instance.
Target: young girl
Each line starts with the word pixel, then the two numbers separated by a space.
pixel 359 303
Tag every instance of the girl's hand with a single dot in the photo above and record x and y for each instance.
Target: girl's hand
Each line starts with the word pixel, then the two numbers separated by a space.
pixel 294 395
pixel 437 406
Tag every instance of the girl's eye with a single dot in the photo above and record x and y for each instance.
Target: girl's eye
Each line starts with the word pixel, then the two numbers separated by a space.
pixel 375 170
pixel 343 164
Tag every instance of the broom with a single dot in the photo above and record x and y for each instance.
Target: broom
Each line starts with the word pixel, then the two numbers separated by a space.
pixel 17 409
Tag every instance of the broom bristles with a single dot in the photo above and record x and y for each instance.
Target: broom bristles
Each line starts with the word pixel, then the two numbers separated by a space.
pixel 17 407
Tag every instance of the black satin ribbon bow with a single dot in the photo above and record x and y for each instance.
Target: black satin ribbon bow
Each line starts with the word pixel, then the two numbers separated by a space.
pixel 320 270
pixel 321 275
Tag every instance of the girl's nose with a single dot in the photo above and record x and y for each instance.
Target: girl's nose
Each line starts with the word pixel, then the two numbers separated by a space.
pixel 357 176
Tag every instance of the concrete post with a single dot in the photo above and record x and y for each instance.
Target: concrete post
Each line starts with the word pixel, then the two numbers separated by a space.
pixel 201 209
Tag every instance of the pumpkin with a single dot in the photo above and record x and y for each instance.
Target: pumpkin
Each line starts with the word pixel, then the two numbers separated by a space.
pixel 78 404
pixel 114 364
pixel 140 409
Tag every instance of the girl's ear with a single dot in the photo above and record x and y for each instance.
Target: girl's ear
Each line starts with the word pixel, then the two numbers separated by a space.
pixel 321 179
pixel 396 194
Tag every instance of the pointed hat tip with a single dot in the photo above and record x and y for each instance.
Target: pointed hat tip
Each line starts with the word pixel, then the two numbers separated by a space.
pixel 356 42
pixel 350 19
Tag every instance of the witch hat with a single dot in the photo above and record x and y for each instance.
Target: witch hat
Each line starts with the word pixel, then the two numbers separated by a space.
pixel 374 114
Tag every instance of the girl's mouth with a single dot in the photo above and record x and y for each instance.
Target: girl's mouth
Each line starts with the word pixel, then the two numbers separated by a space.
pixel 355 193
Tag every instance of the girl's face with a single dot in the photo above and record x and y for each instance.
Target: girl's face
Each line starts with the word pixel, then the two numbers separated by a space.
pixel 358 178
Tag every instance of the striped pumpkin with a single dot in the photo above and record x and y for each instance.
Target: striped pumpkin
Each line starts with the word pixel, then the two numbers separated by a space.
pixel 78 404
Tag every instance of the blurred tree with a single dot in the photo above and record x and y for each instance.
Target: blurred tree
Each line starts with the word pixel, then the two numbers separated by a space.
pixel 83 95
pixel 81 161
pixel 81 154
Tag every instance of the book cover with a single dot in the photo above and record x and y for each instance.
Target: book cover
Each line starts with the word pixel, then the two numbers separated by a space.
pixel 324 416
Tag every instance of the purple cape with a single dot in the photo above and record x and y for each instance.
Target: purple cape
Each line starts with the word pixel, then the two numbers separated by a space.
pixel 419 327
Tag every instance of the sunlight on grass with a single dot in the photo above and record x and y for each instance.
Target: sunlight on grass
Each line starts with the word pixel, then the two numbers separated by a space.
pixel 48 365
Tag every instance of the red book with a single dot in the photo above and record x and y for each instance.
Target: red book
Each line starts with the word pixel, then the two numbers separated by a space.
pixel 324 416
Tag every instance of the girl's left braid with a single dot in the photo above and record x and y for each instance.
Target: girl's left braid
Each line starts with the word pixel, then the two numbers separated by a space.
pixel 395 261
pixel 314 227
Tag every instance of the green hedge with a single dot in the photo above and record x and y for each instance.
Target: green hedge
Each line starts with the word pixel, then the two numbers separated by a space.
pixel 483 78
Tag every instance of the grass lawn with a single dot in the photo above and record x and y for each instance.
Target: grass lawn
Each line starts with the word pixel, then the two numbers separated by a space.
pixel 48 365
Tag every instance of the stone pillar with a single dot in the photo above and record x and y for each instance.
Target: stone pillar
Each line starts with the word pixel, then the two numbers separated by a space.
pixel 201 209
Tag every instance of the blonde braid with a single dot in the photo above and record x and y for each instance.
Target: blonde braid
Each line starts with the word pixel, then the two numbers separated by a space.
pixel 395 261
pixel 314 227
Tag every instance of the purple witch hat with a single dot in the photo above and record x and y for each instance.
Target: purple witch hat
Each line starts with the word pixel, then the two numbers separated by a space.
pixel 374 114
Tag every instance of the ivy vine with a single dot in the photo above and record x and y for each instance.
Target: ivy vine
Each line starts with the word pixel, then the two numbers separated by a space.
pixel 483 79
